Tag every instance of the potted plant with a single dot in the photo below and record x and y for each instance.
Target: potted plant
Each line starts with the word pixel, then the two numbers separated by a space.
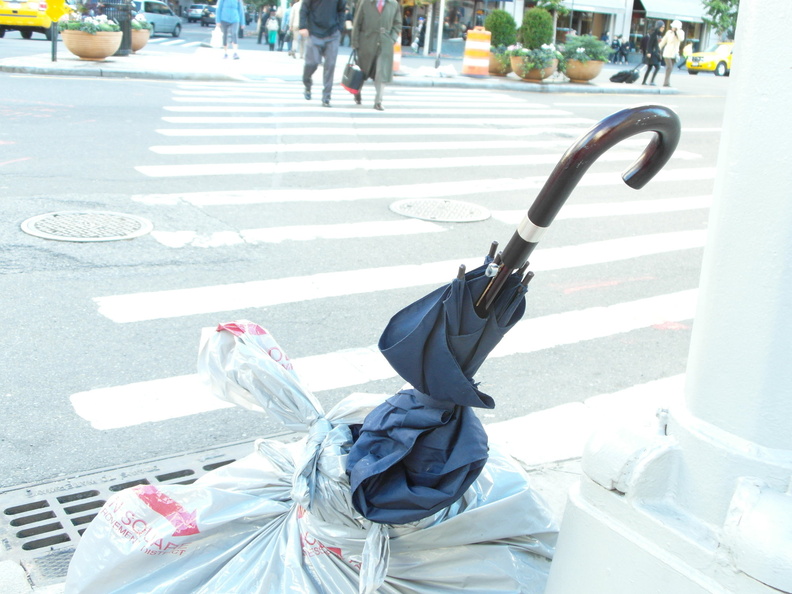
pixel 141 31
pixel 536 29
pixel 534 57
pixel 583 57
pixel 503 33
pixel 533 64
pixel 89 37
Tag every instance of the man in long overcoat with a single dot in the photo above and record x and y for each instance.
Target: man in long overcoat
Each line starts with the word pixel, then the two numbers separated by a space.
pixel 375 29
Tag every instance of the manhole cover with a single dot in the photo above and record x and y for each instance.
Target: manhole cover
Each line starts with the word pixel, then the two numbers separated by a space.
pixel 86 226
pixel 436 209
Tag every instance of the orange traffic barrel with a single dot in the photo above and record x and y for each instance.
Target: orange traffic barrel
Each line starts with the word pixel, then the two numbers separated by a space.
pixel 397 55
pixel 475 61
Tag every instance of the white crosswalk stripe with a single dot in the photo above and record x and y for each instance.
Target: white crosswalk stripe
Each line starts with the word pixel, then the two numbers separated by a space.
pixel 293 146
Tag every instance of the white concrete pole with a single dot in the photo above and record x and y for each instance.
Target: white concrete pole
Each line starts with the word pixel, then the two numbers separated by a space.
pixel 706 505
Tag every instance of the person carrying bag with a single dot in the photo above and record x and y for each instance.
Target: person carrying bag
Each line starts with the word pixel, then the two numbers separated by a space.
pixel 375 29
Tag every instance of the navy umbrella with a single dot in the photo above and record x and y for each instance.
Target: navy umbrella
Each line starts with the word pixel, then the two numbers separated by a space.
pixel 420 450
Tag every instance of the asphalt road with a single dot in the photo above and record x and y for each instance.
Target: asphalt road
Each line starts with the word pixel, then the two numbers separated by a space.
pixel 246 210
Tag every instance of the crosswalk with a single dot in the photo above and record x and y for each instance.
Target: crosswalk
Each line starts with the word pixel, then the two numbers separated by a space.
pixel 259 147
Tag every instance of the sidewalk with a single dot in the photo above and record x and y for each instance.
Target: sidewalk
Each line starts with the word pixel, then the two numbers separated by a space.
pixel 548 443
pixel 206 64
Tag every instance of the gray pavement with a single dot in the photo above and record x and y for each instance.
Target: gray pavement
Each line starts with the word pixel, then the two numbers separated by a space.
pixel 549 444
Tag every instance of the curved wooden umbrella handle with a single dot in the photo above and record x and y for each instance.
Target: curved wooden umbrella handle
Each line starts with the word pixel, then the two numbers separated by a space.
pixel 571 168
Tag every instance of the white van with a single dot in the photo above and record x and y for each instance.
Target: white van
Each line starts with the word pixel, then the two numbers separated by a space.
pixel 162 18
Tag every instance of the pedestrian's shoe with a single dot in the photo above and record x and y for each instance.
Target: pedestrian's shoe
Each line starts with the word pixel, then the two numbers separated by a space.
pixel 307 94
pixel 378 107
pixel 325 103
pixel 225 56
pixel 358 98
pixel 236 56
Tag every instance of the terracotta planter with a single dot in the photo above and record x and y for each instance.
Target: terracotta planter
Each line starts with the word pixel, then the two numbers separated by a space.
pixel 498 68
pixel 534 75
pixel 95 47
pixel 140 38
pixel 578 72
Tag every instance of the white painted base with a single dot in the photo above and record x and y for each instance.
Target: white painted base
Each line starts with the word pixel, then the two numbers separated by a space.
pixel 625 550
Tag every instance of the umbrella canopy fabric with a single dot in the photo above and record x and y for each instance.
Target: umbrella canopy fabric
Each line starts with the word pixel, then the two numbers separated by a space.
pixel 421 449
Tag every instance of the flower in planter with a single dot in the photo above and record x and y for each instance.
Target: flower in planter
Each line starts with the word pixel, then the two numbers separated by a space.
pixel 584 48
pixel 140 22
pixel 535 59
pixel 502 55
pixel 88 24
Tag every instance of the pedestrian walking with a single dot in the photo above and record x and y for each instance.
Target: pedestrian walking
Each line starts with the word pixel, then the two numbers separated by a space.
pixel 375 29
pixel 616 47
pixel 670 46
pixel 652 55
pixel 624 49
pixel 346 31
pixel 320 25
pixel 272 27
pixel 284 35
pixel 231 18
pixel 294 29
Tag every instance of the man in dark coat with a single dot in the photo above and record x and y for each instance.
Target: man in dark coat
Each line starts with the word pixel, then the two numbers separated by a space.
pixel 652 56
pixel 376 28
pixel 320 25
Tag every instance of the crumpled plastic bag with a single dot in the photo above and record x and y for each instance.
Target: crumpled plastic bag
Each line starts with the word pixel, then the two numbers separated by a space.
pixel 281 519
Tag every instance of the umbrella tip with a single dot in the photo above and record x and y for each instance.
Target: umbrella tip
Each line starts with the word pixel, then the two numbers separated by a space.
pixel 461 272
pixel 527 278
pixel 493 249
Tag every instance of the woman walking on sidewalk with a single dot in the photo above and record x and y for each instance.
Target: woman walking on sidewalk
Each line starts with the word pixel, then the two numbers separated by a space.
pixel 670 46
pixel 231 17
pixel 652 56
pixel 375 29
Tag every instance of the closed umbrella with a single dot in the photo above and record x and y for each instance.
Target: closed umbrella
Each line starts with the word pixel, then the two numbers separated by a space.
pixel 419 451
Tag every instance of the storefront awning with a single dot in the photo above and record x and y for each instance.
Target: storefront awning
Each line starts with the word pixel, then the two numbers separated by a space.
pixel 601 6
pixel 691 11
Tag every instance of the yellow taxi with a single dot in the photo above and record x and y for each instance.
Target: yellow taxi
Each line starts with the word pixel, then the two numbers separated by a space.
pixel 717 59
pixel 25 16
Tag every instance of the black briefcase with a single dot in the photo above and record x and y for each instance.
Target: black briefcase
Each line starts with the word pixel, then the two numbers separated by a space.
pixel 353 77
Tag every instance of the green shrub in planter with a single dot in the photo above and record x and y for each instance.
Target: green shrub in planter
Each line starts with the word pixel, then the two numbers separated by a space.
pixel 502 27
pixel 536 29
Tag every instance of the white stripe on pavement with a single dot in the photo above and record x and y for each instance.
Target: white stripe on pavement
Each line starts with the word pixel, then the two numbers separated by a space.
pixel 377 132
pixel 159 400
pixel 279 99
pixel 428 190
pixel 352 147
pixel 377 119
pixel 154 305
pixel 609 209
pixel 275 111
pixel 284 167
pixel 177 239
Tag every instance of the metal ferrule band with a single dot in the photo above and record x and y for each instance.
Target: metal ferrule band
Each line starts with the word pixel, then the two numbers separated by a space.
pixel 529 231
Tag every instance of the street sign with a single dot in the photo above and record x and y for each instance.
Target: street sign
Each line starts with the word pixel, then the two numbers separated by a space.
pixel 56 9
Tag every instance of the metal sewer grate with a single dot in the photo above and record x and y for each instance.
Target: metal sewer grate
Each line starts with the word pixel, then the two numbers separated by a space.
pixel 40 525
pixel 440 209
pixel 86 226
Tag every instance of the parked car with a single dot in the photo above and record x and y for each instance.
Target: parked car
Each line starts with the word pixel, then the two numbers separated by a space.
pixel 194 12
pixel 717 59
pixel 161 17
pixel 25 16
pixel 208 16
